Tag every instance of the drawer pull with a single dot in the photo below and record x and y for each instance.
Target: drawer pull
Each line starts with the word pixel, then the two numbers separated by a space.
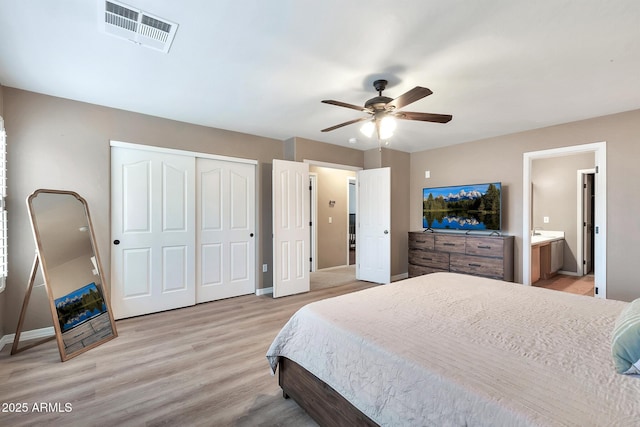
pixel 448 244
pixel 475 265
pixel 428 259
pixel 484 247
pixel 421 241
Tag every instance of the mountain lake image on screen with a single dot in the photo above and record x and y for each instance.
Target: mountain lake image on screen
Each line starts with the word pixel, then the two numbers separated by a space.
pixel 463 207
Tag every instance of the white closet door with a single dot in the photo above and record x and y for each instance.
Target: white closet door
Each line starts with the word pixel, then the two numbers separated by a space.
pixel 291 237
pixel 153 231
pixel 225 219
pixel 374 225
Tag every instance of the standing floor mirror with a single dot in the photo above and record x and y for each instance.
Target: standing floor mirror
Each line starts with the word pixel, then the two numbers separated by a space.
pixel 73 276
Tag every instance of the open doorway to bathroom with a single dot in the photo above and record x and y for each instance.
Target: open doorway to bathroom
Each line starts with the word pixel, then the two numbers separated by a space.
pixel 536 218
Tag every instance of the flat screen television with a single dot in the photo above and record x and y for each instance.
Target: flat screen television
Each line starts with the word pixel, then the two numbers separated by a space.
pixel 463 207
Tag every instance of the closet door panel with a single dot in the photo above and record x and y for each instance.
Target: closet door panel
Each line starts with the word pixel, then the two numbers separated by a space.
pixel 153 231
pixel 226 221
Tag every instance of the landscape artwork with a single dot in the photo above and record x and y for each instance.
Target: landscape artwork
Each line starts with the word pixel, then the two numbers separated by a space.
pixel 463 207
pixel 79 306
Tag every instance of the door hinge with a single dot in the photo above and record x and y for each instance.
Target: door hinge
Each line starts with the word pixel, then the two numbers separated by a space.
pixel 310 259
pixel 596 290
pixel 597 229
pixel 584 185
pixel 310 188
pixel 584 261
pixel 597 169
pixel 310 223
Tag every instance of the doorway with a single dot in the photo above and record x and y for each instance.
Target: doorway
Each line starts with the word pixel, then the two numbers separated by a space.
pixel 329 203
pixel 351 233
pixel 599 209
pixel 586 220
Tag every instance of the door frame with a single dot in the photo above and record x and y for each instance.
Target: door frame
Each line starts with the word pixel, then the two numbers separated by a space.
pixel 600 241
pixel 580 219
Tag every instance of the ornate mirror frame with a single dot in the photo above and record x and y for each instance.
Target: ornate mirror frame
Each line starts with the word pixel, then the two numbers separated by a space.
pixel 73 275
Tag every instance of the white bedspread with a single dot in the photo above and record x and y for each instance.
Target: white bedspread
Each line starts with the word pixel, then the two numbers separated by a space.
pixel 447 349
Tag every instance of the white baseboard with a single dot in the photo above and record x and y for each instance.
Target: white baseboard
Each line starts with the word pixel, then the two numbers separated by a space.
pixel 263 291
pixel 28 335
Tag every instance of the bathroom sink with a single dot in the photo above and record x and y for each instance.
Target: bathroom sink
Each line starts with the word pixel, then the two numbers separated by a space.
pixel 546 236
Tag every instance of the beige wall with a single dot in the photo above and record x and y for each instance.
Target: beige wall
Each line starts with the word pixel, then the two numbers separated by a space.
pixel 399 162
pixel 555 195
pixel 332 242
pixel 307 149
pixel 501 159
pixel 63 144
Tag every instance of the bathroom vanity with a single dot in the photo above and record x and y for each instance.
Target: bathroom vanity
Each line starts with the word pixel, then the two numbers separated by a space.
pixel 547 254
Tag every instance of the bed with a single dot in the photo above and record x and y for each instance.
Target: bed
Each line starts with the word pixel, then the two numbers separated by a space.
pixel 451 349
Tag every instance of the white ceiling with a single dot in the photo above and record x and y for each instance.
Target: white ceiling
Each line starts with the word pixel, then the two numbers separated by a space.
pixel 262 67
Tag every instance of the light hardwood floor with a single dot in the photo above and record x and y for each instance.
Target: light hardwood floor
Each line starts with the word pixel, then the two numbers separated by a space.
pixel 203 365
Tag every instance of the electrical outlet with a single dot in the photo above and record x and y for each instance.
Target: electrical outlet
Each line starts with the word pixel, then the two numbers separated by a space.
pixel 264 268
pixel 330 220
pixel 545 220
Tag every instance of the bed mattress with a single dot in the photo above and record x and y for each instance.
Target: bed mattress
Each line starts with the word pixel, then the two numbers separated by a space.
pixel 449 349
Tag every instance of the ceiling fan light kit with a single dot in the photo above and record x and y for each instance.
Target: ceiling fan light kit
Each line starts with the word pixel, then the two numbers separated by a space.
pixel 383 112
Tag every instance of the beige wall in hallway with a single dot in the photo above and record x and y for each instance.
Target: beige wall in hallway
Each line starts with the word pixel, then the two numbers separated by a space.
pixel 501 159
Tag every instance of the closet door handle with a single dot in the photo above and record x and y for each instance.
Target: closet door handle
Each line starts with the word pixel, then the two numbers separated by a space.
pixel 116 242
pixel 251 235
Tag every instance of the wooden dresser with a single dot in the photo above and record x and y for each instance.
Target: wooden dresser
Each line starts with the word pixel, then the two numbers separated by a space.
pixel 487 256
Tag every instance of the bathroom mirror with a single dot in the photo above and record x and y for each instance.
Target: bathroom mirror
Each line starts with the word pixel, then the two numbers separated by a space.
pixel 72 271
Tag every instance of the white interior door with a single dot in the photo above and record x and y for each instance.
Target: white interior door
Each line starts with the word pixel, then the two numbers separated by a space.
pixel 374 225
pixel 225 203
pixel 153 231
pixel 290 228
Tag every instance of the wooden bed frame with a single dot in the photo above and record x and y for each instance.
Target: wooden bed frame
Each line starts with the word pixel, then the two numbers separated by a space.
pixel 325 405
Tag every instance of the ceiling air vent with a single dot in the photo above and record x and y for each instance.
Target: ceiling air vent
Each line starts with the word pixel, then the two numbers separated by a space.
pixel 138 26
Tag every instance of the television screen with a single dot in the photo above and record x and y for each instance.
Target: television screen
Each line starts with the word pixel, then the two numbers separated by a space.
pixel 463 207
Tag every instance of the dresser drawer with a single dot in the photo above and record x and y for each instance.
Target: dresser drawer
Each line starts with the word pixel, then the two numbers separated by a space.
pixel 487 267
pixel 453 244
pixel 421 241
pixel 427 258
pixel 419 270
pixel 487 246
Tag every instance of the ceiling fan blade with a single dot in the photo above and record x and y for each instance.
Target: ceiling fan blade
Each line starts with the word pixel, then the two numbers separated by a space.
pixel 344 104
pixel 350 122
pixel 407 98
pixel 424 117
